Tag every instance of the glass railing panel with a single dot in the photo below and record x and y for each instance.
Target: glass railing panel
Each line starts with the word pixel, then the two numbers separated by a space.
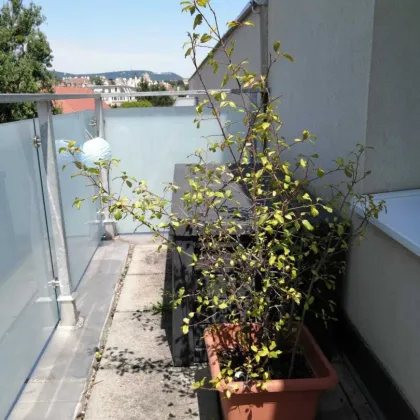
pixel 28 307
pixel 83 227
pixel 150 141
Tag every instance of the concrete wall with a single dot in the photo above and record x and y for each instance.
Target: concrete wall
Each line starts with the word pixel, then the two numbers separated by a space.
pixel 356 80
pixel 326 89
pixel 247 47
pixel 394 97
pixel 382 299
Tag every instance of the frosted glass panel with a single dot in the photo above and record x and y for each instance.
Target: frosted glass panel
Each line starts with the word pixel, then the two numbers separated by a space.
pixel 83 228
pixel 28 308
pixel 150 141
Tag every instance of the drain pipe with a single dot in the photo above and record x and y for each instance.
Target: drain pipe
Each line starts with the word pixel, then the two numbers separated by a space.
pixel 69 313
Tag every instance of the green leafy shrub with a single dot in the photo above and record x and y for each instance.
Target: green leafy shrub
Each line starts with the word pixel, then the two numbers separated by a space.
pixel 268 280
pixel 137 104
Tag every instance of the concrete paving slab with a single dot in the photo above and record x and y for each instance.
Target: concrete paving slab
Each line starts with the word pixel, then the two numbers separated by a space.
pixel 53 391
pixel 147 260
pixel 135 338
pixel 55 387
pixel 136 379
pixel 142 396
pixel 140 292
pixel 44 411
pixel 141 239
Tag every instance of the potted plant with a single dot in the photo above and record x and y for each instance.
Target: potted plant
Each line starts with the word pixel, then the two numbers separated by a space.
pixel 266 241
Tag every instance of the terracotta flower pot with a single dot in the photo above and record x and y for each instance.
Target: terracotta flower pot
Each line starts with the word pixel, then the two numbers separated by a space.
pixel 287 399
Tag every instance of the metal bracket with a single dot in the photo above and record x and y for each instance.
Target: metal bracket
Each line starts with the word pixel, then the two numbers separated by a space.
pixel 54 283
pixel 36 140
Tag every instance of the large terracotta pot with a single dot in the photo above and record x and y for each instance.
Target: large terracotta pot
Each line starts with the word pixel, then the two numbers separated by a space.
pixel 288 399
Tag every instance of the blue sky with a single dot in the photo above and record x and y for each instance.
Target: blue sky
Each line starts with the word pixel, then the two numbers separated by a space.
pixel 103 35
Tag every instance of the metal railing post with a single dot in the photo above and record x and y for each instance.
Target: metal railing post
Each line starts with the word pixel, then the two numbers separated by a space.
pixel 69 313
pixel 99 116
pixel 108 223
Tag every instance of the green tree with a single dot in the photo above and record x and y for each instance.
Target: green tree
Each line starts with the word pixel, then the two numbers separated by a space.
pixel 25 57
pixel 179 85
pixel 96 80
pixel 137 104
pixel 144 86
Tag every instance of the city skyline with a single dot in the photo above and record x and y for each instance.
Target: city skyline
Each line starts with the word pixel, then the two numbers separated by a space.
pixel 97 36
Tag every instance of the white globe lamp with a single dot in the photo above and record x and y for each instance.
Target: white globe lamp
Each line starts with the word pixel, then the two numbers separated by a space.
pixel 94 150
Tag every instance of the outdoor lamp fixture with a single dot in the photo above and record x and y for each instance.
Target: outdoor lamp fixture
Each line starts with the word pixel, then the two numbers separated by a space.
pixel 94 150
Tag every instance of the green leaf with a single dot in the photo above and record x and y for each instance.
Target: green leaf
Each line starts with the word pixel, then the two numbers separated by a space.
pixel 198 20
pixel 320 172
pixel 225 80
pixel 254 349
pixel 185 329
pixel 223 305
pixel 205 38
pixel 307 225
pixel 288 57
pixel 277 47
pixel 179 249
pixel 303 163
pixel 314 211
pixel 248 23
pixel 117 214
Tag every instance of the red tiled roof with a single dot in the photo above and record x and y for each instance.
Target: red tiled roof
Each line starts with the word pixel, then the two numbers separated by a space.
pixel 76 105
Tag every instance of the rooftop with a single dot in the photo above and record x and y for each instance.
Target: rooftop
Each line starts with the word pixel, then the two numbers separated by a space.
pixel 76 105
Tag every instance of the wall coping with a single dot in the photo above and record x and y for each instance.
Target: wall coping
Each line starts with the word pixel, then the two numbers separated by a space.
pixel 401 219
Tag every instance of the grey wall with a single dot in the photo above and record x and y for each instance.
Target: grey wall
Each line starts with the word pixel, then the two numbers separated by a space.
pixel 326 89
pixel 394 97
pixel 382 299
pixel 356 81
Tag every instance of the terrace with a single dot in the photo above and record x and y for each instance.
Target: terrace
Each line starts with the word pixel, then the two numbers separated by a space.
pixel 67 295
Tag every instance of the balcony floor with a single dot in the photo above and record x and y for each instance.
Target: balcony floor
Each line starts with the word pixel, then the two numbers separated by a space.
pixel 55 388
pixel 136 379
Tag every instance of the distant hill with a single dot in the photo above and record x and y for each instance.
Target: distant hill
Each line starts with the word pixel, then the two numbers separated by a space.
pixel 124 73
